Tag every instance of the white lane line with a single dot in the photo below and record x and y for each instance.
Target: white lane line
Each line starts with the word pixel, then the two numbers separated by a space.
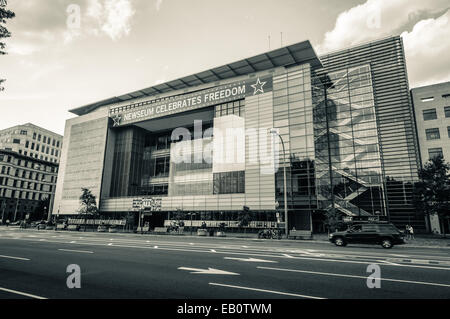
pixel 268 291
pixel 21 293
pixel 287 256
pixel 258 255
pixel 213 251
pixel 77 251
pixel 354 276
pixel 251 260
pixel 12 257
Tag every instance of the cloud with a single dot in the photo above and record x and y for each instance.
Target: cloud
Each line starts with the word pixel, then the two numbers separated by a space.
pixel 424 26
pixel 113 17
pixel 427 51
pixel 375 19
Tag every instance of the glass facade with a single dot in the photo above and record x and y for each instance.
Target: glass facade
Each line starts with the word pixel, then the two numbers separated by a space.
pixel 348 161
pixel 293 117
pixel 394 124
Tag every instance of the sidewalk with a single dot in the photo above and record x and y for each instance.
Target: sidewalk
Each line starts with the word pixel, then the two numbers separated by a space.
pixel 420 241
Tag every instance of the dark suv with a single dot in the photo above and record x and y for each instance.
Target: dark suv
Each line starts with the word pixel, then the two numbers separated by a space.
pixel 384 234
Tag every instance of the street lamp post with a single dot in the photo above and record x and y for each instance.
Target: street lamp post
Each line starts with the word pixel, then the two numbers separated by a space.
pixel 286 228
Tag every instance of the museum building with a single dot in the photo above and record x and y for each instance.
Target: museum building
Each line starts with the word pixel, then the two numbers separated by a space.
pixel 207 146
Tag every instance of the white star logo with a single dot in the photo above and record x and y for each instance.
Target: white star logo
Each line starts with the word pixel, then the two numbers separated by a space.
pixel 258 86
pixel 116 120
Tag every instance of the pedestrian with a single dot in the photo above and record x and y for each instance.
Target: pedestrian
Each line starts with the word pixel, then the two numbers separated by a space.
pixel 407 231
pixel 411 232
pixel 7 223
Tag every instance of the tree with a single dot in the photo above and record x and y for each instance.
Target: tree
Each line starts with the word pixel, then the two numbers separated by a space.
pixel 88 205
pixel 244 217
pixel 432 192
pixel 4 33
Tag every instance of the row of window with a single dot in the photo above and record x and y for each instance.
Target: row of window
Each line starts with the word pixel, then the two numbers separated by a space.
pixel 26 185
pixel 236 108
pixel 431 98
pixel 42 157
pixel 430 114
pixel 434 134
pixel 43 149
pixel 29 164
pixel 23 194
pixel 45 139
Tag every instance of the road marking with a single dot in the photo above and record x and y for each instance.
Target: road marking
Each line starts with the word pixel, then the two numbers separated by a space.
pixel 268 254
pixel 12 257
pixel 288 256
pixel 155 247
pixel 353 276
pixel 213 251
pixel 252 260
pixel 268 291
pixel 21 293
pixel 77 251
pixel 388 262
pixel 209 271
pixel 72 242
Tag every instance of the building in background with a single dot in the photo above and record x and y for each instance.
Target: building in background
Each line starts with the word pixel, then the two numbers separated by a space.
pixel 29 159
pixel 27 186
pixel 346 122
pixel 32 141
pixel 432 113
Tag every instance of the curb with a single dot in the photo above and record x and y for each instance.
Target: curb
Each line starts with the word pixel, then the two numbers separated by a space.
pixel 312 241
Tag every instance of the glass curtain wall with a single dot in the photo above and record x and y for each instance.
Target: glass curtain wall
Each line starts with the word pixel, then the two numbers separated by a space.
pixel 348 163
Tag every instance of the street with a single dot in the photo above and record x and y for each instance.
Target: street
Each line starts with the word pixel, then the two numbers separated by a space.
pixel 33 264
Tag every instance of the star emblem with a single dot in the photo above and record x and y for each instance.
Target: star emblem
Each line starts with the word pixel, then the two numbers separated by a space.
pixel 258 86
pixel 116 120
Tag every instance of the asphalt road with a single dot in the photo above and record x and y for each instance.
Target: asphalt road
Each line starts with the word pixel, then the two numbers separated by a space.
pixel 33 264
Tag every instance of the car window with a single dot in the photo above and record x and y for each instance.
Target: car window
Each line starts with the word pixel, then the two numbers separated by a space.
pixel 355 228
pixel 369 228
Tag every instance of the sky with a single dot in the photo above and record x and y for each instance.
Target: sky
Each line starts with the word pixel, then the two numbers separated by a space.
pixel 68 53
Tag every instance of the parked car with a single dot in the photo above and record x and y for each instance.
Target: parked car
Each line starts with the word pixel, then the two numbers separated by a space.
pixel 384 234
pixel 102 228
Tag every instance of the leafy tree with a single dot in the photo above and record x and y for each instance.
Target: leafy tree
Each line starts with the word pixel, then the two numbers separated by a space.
pixel 432 192
pixel 244 217
pixel 4 33
pixel 88 205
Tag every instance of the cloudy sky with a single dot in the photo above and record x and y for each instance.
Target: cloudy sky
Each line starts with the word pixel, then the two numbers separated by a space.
pixel 67 53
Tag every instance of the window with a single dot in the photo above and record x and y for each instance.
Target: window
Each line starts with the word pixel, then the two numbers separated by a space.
pixel 44 140
pixel 434 152
pixel 27 144
pixel 447 111
pixel 39 137
pixel 446 96
pixel 16 141
pixel 427 99
pixel 432 134
pixel 23 132
pixel 448 131
pixel 34 136
pixel 429 114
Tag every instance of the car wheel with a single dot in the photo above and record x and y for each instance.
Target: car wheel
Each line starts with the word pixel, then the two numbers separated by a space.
pixel 339 241
pixel 386 243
